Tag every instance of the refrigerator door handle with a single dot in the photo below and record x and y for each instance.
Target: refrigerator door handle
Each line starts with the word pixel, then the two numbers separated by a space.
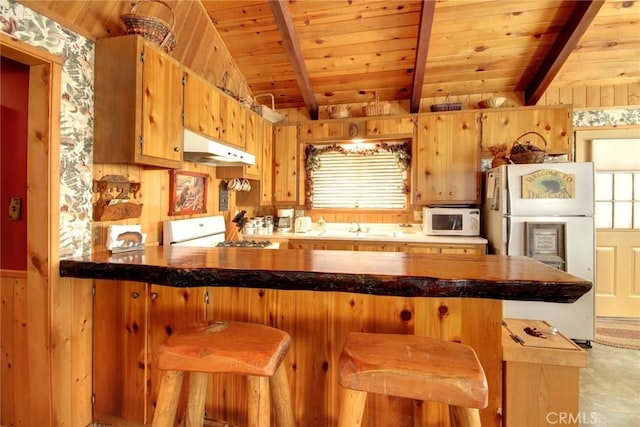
pixel 508 249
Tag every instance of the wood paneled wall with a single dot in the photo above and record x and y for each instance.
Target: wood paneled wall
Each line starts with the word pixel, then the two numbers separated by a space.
pixel 594 97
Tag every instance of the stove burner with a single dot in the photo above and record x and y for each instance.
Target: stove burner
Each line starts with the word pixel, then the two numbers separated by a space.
pixel 244 244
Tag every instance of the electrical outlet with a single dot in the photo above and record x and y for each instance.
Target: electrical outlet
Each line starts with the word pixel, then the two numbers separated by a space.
pixel 417 216
pixel 97 235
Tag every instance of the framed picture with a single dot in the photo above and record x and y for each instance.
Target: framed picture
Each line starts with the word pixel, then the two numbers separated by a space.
pixel 187 192
pixel 545 241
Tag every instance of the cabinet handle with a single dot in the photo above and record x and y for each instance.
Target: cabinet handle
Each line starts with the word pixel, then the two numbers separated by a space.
pixel 135 295
pixel 176 149
pixel 451 193
pixel 154 295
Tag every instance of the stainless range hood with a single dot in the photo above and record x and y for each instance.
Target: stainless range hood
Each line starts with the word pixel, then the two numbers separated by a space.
pixel 201 149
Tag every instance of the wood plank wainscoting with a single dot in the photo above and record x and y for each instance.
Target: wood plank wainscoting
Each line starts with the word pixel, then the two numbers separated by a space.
pixel 132 319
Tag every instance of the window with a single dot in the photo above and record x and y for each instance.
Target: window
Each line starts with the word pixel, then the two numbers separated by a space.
pixel 617 183
pixel 617 197
pixel 365 176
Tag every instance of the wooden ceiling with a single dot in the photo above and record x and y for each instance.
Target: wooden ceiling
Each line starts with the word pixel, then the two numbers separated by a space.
pixel 312 53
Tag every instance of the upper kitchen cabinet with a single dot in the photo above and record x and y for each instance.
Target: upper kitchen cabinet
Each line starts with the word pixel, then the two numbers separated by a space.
pixel 504 126
pixel 446 159
pixel 254 140
pixel 201 105
pixel 321 130
pixel 331 130
pixel 233 117
pixel 213 113
pixel 285 165
pixel 138 104
pixel 266 184
pixel 400 125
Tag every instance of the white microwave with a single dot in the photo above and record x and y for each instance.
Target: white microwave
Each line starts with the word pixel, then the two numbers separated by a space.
pixel 452 221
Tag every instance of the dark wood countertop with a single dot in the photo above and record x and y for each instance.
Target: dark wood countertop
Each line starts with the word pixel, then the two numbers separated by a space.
pixel 377 273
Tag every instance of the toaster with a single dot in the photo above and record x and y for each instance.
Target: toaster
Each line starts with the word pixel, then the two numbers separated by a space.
pixel 302 224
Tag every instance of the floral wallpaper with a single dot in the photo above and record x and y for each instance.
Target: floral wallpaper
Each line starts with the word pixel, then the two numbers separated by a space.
pixel 613 117
pixel 76 117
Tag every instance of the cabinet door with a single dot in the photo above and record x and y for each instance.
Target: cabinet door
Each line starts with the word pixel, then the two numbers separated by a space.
pixel 138 104
pixel 285 154
pixel 161 106
pixel 253 144
pixel 201 105
pixel 266 184
pixel 505 126
pixel 119 356
pixel 447 159
pixel 232 117
pixel 393 126
pixel 314 130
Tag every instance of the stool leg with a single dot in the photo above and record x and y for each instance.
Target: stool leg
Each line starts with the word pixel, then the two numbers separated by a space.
pixel 259 410
pixel 197 396
pixel 281 396
pixel 168 398
pixel 351 408
pixel 460 416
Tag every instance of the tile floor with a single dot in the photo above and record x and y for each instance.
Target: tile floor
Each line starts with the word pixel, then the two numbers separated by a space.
pixel 610 387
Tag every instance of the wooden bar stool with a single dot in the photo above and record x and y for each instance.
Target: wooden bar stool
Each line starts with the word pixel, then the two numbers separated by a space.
pixel 224 347
pixel 414 367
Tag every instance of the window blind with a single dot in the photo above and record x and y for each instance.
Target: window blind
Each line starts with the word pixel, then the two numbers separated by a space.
pixel 359 181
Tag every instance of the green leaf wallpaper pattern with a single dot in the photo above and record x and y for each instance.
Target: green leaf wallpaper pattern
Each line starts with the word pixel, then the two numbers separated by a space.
pixel 76 117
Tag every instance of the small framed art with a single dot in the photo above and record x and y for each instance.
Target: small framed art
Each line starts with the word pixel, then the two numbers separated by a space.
pixel 187 192
pixel 545 241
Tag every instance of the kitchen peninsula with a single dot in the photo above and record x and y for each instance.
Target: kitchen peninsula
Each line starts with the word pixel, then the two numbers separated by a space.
pixel 318 297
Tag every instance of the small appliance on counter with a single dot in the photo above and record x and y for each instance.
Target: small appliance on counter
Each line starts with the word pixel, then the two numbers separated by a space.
pixel 302 224
pixel 451 221
pixel 284 220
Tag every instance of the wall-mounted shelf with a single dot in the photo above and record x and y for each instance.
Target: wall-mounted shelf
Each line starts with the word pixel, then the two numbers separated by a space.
pixel 117 199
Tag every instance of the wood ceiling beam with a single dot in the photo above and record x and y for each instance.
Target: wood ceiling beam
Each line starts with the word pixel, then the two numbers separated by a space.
pixel 422 49
pixel 567 40
pixel 292 46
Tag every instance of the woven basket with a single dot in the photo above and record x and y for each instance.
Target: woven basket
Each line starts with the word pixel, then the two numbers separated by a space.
pixel 267 113
pixel 377 109
pixel 151 28
pixel 527 156
pixel 338 111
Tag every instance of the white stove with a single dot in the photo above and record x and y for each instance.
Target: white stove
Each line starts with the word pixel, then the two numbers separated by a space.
pixel 205 232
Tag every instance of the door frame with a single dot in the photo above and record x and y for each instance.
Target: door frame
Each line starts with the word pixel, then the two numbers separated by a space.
pixel 48 334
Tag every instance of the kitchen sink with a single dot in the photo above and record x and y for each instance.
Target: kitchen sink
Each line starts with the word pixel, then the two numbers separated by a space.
pixel 376 234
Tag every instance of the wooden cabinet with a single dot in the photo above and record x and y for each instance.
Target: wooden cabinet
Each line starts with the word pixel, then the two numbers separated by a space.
pixel 400 125
pixel 131 320
pixel 446 159
pixel 201 105
pixel 138 104
pixel 331 130
pixel 319 130
pixel 453 248
pixel 503 126
pixel 253 144
pixel 232 121
pixel 266 184
pixel 259 139
pixel 387 246
pixel 285 165
pixel 213 113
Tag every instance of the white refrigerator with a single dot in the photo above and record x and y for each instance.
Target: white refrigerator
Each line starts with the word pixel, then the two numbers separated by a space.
pixel 545 211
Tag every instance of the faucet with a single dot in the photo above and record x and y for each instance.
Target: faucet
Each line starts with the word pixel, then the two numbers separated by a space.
pixel 355 227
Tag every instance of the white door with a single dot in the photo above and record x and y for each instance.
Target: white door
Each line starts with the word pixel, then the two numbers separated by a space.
pixel 616 156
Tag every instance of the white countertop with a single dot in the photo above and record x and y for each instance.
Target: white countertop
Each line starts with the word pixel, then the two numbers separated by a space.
pixel 372 232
